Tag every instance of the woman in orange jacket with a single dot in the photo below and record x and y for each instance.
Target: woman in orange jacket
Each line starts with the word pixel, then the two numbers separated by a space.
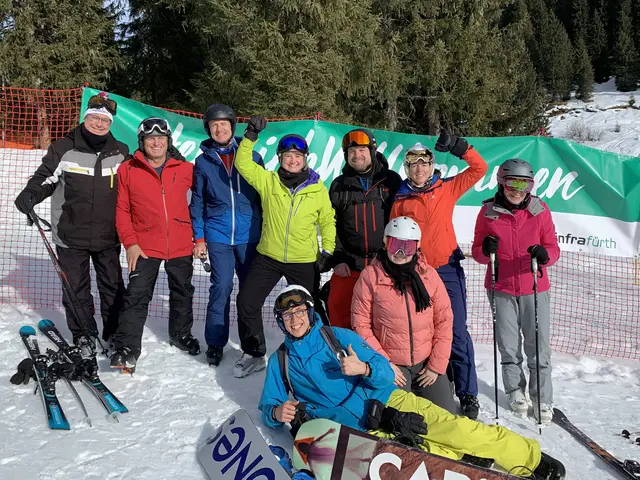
pixel 430 199
pixel 401 308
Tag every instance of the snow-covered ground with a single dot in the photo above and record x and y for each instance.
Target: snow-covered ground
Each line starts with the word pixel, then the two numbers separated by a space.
pixel 606 123
pixel 175 402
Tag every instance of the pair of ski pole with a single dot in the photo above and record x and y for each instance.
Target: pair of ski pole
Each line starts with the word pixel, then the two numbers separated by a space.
pixel 534 271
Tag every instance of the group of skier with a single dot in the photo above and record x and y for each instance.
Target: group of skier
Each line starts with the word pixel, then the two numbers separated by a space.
pixel 396 301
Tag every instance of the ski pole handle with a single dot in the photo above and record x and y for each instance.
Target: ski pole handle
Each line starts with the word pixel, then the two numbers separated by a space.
pixel 534 265
pixel 492 260
pixel 205 264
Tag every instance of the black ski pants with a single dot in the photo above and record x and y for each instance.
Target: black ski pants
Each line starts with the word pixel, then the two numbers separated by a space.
pixel 264 274
pixel 75 264
pixel 139 292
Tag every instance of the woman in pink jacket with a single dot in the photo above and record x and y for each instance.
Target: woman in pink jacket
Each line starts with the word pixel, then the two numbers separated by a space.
pixel 516 227
pixel 402 309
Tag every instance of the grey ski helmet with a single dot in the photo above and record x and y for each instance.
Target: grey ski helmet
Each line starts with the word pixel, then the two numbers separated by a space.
pixel 218 111
pixel 514 167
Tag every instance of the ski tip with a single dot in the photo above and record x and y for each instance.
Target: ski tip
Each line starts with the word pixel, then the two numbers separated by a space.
pixel 27 330
pixel 45 323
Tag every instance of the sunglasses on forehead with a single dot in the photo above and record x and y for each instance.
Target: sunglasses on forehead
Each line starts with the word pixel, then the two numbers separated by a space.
pixel 518 184
pixel 98 101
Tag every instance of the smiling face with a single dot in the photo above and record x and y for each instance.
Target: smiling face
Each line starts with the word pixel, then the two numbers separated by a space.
pixel 420 172
pixel 97 124
pixel 515 197
pixel 296 321
pixel 155 148
pixel 359 158
pixel 292 161
pixel 221 131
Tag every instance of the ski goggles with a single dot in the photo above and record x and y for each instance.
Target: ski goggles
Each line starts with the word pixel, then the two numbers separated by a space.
pixel 98 101
pixel 426 157
pixel 407 247
pixel 289 300
pixel 518 184
pixel 357 137
pixel 154 124
pixel 293 143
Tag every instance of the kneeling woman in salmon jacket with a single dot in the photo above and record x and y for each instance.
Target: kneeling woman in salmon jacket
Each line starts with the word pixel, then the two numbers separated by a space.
pixel 401 308
pixel 516 227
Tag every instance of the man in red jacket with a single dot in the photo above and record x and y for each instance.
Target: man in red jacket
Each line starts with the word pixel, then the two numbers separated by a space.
pixel 153 222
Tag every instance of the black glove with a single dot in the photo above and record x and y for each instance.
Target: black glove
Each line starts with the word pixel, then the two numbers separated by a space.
pixel 539 253
pixel 301 417
pixel 24 373
pixel 450 143
pixel 490 245
pixel 255 126
pixel 406 425
pixel 322 264
pixel 26 200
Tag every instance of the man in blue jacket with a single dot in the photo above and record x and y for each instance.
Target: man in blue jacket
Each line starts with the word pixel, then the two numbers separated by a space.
pixel 353 385
pixel 226 217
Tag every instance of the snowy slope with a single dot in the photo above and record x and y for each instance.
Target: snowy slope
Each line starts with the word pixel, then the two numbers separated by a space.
pixel 175 402
pixel 606 123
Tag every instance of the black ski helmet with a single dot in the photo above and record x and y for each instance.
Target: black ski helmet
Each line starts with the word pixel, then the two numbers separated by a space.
pixel 219 111
pixel 154 127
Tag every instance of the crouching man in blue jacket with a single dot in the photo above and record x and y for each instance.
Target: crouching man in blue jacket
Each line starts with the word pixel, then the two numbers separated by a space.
pixel 357 390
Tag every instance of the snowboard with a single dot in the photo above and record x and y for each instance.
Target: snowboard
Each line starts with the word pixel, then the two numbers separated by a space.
pixel 335 452
pixel 237 451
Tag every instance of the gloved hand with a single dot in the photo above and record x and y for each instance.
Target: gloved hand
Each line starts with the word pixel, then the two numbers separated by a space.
pixel 255 126
pixel 403 424
pixel 539 253
pixel 26 200
pixel 450 143
pixel 322 264
pixel 24 373
pixel 301 417
pixel 490 245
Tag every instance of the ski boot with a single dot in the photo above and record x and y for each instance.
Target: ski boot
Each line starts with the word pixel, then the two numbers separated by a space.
pixel 470 406
pixel 214 356
pixel 549 469
pixel 86 345
pixel 125 359
pixel 187 343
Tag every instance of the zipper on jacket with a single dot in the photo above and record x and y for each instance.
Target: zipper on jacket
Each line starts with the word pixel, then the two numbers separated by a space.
pixel 299 203
pixel 233 211
pixel 366 238
pixel 286 232
pixel 111 177
pixel 373 216
pixel 355 209
pixel 166 215
pixel 406 301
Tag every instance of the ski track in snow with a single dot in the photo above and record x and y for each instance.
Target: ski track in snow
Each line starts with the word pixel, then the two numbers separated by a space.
pixel 176 401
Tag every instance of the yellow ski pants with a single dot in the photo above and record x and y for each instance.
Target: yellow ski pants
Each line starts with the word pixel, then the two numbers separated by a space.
pixel 452 436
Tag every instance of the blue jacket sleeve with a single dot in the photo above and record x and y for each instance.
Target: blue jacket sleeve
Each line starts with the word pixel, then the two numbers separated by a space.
pixel 274 393
pixel 196 208
pixel 382 374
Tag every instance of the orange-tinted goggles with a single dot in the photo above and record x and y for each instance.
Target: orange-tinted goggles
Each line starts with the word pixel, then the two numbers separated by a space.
pixel 356 137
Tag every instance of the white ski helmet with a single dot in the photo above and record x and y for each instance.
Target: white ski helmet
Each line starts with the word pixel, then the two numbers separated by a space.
pixel 403 228
pixel 289 297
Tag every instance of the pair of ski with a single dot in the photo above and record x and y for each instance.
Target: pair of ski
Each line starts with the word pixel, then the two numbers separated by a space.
pixel 86 369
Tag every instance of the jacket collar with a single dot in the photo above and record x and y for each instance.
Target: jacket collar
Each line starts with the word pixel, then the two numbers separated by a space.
pixel 174 158
pixel 383 279
pixel 406 191
pixel 212 150
pixel 494 210
pixel 308 345
pixel 80 144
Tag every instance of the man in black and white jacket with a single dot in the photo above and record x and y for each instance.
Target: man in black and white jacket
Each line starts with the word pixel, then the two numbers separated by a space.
pixel 79 174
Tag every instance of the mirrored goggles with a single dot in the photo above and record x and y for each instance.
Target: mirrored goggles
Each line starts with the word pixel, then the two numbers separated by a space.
pixel 407 247
pixel 518 184
pixel 289 300
pixel 356 137
pixel 98 101
pixel 293 143
pixel 154 124
pixel 425 157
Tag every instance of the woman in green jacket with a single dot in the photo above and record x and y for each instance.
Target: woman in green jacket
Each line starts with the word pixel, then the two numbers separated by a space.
pixel 294 203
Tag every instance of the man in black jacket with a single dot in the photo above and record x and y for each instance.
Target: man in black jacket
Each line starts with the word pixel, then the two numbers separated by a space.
pixel 79 174
pixel 362 197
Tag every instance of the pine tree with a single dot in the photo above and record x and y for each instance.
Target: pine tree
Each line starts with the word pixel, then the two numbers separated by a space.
pixel 584 72
pixel 597 46
pixel 626 56
pixel 57 44
pixel 579 19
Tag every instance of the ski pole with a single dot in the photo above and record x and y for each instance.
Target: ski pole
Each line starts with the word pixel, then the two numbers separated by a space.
pixel 86 420
pixel 74 303
pixel 57 358
pixel 534 270
pixel 492 257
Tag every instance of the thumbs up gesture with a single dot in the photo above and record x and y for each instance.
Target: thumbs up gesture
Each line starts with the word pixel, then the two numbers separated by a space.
pixel 351 365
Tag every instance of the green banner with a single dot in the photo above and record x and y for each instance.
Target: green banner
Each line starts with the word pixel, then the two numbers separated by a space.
pixel 571 178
